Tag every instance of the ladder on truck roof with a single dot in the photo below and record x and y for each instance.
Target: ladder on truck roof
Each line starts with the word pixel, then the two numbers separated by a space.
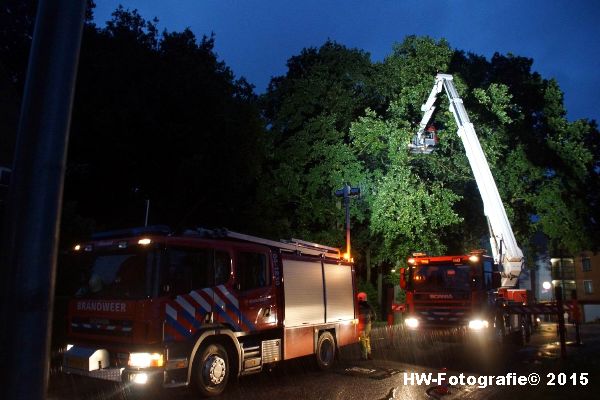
pixel 292 245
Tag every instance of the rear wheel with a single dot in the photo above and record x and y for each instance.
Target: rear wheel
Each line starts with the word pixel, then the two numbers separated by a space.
pixel 211 370
pixel 325 350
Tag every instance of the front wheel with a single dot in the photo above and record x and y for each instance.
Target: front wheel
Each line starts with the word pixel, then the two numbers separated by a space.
pixel 211 370
pixel 325 350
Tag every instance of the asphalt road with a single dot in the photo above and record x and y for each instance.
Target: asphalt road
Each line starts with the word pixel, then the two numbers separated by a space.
pixel 396 357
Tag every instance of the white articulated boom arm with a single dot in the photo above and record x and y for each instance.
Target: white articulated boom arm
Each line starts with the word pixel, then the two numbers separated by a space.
pixel 504 245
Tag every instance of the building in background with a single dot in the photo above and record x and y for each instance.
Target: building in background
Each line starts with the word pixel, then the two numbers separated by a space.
pixel 579 273
pixel 587 278
pixel 563 275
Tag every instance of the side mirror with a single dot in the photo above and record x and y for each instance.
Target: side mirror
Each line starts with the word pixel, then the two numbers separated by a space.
pixel 403 278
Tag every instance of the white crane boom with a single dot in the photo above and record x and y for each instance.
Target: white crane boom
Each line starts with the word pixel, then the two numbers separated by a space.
pixel 502 239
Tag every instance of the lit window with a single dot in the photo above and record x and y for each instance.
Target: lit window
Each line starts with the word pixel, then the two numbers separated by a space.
pixel 587 287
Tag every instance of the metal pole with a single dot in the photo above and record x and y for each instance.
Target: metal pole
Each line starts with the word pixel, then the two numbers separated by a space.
pixel 29 248
pixel 147 212
pixel 346 192
pixel 347 204
pixel 561 322
pixel 576 316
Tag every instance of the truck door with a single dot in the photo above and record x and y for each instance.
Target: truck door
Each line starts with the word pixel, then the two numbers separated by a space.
pixel 254 285
pixel 200 282
pixel 226 303
pixel 187 275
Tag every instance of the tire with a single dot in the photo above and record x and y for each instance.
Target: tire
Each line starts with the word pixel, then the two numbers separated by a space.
pixel 325 352
pixel 211 370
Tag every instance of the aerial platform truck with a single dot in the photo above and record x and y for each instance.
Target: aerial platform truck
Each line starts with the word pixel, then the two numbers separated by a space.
pixel 473 291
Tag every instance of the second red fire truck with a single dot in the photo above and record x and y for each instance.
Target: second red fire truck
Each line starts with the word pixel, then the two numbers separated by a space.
pixel 460 291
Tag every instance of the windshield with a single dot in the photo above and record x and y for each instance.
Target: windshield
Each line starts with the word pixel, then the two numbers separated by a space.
pixel 118 275
pixel 442 277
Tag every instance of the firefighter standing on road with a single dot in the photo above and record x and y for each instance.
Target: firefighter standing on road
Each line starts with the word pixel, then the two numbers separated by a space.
pixel 366 316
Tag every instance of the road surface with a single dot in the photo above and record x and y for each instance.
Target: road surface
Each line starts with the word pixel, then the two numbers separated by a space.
pixel 396 358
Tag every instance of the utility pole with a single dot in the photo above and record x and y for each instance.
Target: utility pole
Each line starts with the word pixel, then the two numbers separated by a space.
pixel 561 321
pixel 31 227
pixel 147 212
pixel 576 316
pixel 346 192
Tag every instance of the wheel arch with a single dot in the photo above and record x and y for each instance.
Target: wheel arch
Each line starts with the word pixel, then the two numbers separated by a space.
pixel 224 337
pixel 321 363
pixel 328 328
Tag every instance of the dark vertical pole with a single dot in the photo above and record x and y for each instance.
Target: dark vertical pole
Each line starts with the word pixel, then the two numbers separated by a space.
pixel 576 316
pixel 500 319
pixel 29 248
pixel 347 204
pixel 346 192
pixel 147 212
pixel 561 321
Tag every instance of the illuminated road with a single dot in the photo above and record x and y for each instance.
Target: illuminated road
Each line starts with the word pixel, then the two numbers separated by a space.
pixel 396 357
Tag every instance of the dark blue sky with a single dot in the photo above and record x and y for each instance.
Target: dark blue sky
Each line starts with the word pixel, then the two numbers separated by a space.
pixel 256 37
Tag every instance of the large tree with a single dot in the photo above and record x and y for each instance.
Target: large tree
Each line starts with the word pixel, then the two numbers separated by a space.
pixel 410 206
pixel 544 165
pixel 159 117
pixel 308 113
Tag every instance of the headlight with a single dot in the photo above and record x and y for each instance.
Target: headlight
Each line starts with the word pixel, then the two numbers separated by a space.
pixel 412 323
pixel 478 324
pixel 145 360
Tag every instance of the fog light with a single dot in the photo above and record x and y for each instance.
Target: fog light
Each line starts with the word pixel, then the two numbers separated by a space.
pixel 140 379
pixel 478 324
pixel 412 323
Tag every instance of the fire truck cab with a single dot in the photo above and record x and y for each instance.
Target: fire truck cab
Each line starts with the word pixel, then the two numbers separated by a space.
pixel 196 308
pixel 450 291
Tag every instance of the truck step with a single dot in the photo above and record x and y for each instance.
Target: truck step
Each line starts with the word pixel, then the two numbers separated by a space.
pixel 252 363
pixel 251 352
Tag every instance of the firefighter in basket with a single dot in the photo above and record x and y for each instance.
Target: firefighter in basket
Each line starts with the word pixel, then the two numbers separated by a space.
pixel 366 316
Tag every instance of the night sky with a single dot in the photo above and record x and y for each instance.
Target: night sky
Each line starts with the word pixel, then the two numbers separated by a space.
pixel 255 38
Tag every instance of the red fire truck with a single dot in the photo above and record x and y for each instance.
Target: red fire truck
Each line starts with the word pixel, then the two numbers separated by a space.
pixel 450 291
pixel 196 308
pixel 463 291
